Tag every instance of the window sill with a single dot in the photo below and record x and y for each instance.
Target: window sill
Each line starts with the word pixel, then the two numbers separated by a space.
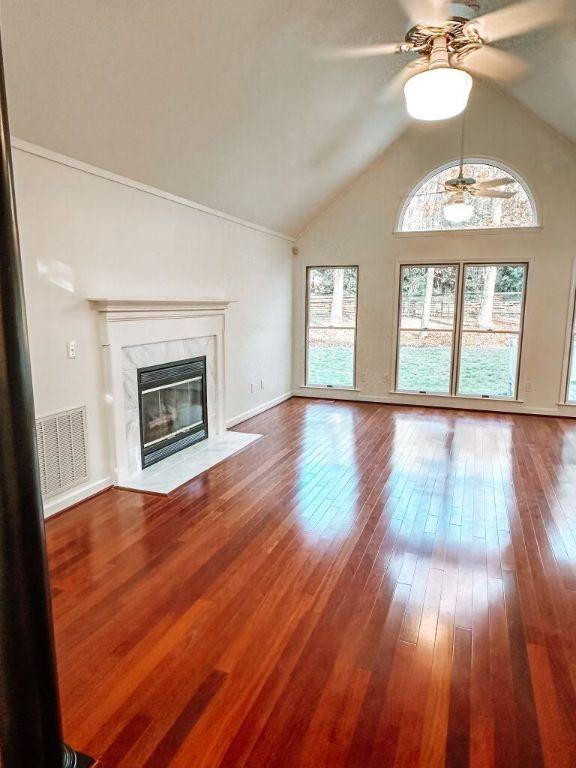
pixel 325 388
pixel 405 393
pixel 454 232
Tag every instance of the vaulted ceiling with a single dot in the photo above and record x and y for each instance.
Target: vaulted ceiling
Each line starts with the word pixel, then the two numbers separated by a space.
pixel 229 103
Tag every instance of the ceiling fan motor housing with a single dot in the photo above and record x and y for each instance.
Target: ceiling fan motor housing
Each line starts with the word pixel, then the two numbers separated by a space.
pixel 460 182
pixel 421 37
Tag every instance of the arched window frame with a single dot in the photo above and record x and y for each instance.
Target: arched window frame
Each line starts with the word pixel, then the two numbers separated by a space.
pixel 485 160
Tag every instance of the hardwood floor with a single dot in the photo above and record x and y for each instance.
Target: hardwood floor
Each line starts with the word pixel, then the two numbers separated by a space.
pixel 366 586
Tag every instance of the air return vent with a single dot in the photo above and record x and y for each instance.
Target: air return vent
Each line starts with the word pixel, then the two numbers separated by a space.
pixel 62 451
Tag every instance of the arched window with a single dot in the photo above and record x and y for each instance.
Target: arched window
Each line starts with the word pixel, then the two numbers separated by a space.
pixel 425 209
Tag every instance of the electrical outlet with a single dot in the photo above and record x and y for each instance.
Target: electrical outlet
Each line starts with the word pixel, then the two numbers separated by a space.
pixel 386 378
pixel 529 386
pixel 71 349
pixel 252 388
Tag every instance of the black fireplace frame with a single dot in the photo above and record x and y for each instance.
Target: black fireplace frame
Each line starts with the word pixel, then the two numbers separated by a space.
pixel 158 374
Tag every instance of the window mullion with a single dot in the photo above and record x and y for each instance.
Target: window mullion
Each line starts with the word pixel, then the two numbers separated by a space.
pixel 457 334
pixel 571 362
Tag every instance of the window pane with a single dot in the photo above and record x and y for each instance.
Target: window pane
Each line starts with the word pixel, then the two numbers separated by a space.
pixel 572 377
pixel 493 297
pixel 424 361
pixel 331 357
pixel 332 297
pixel 331 332
pixel 428 297
pixel 489 364
pixel 425 211
pixel 426 331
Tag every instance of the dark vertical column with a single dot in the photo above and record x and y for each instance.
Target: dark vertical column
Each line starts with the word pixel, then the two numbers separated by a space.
pixel 30 729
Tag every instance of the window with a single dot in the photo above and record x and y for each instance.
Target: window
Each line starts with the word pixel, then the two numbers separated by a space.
pixel 492 314
pixel 426 328
pixel 571 387
pixel 460 329
pixel 424 210
pixel 332 294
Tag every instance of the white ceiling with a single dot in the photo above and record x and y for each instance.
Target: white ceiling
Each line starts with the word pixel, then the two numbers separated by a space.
pixel 230 102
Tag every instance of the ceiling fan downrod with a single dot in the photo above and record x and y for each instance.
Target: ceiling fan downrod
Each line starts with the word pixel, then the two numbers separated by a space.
pixel 439 55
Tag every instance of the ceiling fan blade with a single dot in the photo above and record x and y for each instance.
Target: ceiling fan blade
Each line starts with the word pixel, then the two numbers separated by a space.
pixel 425 11
pixel 518 19
pixel 394 86
pixel 493 193
pixel 493 63
pixel 428 194
pixel 363 51
pixel 503 182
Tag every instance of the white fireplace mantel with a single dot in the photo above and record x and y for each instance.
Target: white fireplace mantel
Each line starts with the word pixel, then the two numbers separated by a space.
pixel 155 305
pixel 121 310
pixel 138 332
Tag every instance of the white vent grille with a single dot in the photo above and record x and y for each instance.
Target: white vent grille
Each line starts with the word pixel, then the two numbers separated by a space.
pixel 62 450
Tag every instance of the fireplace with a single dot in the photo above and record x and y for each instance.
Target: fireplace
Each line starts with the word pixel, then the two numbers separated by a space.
pixel 173 408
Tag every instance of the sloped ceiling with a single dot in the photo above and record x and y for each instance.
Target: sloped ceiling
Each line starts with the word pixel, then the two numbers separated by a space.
pixel 230 103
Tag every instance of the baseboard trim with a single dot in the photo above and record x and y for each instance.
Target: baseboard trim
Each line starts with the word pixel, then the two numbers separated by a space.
pixel 517 409
pixel 235 420
pixel 65 501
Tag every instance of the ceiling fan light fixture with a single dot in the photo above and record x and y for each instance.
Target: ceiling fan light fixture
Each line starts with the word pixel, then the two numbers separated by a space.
pixel 458 213
pixel 438 94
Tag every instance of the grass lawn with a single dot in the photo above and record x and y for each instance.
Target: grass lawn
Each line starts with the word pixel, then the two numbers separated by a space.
pixel 483 371
pixel 331 365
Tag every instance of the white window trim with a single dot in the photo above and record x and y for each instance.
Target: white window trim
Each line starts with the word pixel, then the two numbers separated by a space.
pixel 486 160
pixel 534 230
pixel 569 333
pixel 461 263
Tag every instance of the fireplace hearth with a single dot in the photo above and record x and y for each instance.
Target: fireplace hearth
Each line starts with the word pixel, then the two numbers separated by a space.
pixel 173 408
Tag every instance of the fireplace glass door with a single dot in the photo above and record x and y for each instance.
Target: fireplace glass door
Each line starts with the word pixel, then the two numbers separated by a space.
pixel 172 408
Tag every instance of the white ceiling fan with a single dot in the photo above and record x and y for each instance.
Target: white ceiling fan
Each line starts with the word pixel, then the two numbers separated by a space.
pixel 453 43
pixel 458 191
pixel 457 208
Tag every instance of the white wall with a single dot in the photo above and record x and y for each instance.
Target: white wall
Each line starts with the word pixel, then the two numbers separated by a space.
pixel 357 228
pixel 83 235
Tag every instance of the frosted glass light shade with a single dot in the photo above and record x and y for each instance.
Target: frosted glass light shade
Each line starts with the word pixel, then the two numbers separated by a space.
pixel 458 213
pixel 438 94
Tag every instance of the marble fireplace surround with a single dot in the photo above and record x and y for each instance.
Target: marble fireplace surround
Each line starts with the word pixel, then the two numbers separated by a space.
pixel 139 333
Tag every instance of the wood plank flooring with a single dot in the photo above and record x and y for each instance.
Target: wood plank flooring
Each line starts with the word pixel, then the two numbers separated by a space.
pixel 367 586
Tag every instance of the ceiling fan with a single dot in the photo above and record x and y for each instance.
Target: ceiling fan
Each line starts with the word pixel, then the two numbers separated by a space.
pixel 453 43
pixel 458 208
